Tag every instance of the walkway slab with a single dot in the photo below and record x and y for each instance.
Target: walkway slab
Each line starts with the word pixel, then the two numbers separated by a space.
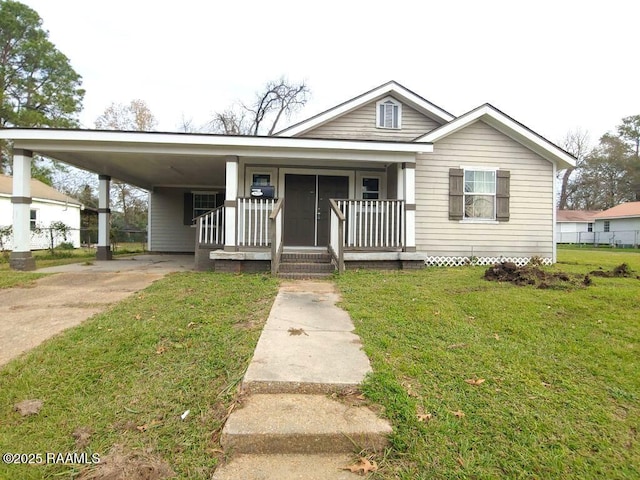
pixel 307 344
pixel 285 467
pixel 294 423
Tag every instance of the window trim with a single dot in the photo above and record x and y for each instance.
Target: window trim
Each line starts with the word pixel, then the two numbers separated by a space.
pixel 194 193
pixel 380 119
pixel 382 184
pixel 494 195
pixel 33 222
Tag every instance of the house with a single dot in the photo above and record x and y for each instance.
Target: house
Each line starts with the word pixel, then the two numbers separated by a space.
pixel 619 226
pixel 386 179
pixel 47 205
pixel 575 226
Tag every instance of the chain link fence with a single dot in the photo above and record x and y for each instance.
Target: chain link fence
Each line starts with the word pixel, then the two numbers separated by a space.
pixel 618 238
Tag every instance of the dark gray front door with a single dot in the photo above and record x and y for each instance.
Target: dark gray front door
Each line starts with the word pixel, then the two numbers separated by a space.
pixel 306 218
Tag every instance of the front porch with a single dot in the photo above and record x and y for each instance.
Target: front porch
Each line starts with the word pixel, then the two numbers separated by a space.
pixel 361 234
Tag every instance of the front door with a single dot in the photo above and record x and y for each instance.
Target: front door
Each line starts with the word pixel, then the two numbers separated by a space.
pixel 306 219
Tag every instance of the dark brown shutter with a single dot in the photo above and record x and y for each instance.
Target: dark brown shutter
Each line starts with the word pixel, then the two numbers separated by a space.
pixel 503 185
pixel 188 208
pixel 456 194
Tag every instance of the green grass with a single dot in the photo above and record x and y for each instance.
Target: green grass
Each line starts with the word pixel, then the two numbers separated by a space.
pixel 561 397
pixel 181 344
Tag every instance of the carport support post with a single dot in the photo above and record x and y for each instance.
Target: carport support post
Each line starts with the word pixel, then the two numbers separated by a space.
pixel 104 217
pixel 230 204
pixel 21 258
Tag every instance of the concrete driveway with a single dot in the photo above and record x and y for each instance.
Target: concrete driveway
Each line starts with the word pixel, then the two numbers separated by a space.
pixel 28 316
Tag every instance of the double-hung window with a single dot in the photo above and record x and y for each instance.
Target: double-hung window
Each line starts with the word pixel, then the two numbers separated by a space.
pixel 388 113
pixel 202 203
pixel 480 194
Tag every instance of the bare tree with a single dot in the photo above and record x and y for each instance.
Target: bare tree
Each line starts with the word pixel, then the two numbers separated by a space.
pixel 278 99
pixel 576 142
pixel 136 116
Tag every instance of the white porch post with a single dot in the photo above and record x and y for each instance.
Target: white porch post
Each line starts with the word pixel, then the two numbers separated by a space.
pixel 409 174
pixel 104 217
pixel 230 204
pixel 21 258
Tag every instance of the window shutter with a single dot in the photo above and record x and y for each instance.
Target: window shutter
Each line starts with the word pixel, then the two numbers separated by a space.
pixel 188 208
pixel 456 194
pixel 503 185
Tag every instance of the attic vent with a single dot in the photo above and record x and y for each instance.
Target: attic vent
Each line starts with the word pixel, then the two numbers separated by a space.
pixel 389 113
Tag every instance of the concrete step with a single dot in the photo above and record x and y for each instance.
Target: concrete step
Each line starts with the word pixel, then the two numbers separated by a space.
pixel 305 257
pixel 302 424
pixel 311 267
pixel 287 467
pixel 305 275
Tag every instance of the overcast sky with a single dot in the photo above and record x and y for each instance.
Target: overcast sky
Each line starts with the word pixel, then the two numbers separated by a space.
pixel 552 65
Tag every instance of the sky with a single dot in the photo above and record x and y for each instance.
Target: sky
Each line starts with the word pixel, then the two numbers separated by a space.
pixel 555 66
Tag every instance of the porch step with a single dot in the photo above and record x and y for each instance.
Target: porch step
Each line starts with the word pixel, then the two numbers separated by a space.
pixel 305 275
pixel 304 267
pixel 305 258
pixel 322 425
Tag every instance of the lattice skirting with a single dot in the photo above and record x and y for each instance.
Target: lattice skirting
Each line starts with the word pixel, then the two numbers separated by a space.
pixel 436 261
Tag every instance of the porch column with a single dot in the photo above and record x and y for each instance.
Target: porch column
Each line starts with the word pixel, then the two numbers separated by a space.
pixel 230 204
pixel 104 217
pixel 409 174
pixel 21 258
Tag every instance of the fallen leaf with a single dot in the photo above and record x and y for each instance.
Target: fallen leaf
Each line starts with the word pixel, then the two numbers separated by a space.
pixel 496 336
pixel 363 466
pixel 82 436
pixel 138 316
pixel 457 345
pixel 29 407
pixel 410 391
pixel 546 384
pixel 142 428
pixel 161 349
pixel 424 417
pixel 191 324
pixel 297 331
pixel 458 414
pixel 460 461
pixel 475 381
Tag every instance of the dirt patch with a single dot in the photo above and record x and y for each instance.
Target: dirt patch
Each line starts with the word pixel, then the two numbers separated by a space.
pixel 621 271
pixel 119 464
pixel 533 275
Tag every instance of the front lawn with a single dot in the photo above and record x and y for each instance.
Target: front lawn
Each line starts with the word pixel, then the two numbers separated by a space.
pixel 127 376
pixel 491 380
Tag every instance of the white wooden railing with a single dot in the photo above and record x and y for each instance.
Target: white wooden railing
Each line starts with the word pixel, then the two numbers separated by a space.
pixel 373 224
pixel 276 221
pixel 253 221
pixel 211 227
pixel 336 235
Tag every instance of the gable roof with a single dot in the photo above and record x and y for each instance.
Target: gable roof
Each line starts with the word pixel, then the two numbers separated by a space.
pixel 39 190
pixel 508 126
pixel 392 88
pixel 584 216
pixel 624 210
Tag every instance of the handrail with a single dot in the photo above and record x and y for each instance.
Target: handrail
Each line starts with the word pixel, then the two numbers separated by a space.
pixel 336 235
pixel 210 227
pixel 276 228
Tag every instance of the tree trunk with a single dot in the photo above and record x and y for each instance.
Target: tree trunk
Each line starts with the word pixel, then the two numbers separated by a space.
pixel 562 204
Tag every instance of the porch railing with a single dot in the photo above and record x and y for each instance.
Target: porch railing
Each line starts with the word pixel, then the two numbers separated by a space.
pixel 276 222
pixel 336 237
pixel 211 227
pixel 373 224
pixel 253 221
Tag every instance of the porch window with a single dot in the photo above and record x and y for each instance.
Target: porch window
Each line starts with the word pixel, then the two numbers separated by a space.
pixel 203 202
pixel 388 113
pixel 370 188
pixel 480 194
pixel 33 219
pixel 607 226
pixel 261 179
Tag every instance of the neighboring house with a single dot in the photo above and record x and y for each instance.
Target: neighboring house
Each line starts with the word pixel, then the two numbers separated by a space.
pixel 386 179
pixel 619 226
pixel 47 205
pixel 575 226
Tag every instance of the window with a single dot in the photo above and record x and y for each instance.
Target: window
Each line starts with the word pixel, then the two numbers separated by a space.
pixel 33 219
pixel 203 202
pixel 480 194
pixel 370 188
pixel 607 226
pixel 589 227
pixel 261 179
pixel 388 113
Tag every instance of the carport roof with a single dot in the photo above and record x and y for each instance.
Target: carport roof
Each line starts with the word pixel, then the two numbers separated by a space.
pixel 148 159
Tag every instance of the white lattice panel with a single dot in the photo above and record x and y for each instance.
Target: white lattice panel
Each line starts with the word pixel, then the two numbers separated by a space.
pixel 436 261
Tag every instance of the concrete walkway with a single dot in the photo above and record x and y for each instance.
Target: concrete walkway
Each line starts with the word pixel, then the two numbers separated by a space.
pixel 288 426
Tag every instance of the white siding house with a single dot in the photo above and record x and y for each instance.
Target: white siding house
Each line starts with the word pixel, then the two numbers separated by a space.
pixel 575 226
pixel 47 205
pixel 385 179
pixel 619 226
